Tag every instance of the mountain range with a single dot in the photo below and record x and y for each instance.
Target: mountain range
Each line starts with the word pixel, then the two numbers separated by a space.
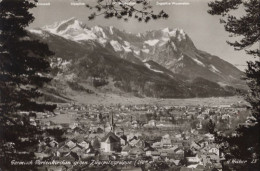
pixel 161 63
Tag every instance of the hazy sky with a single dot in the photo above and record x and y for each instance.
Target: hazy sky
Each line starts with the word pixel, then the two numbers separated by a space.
pixel 205 30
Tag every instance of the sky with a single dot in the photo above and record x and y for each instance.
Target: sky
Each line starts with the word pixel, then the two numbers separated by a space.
pixel 190 15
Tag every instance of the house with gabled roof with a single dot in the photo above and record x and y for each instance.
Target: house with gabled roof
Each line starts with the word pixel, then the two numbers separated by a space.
pixel 53 143
pixel 63 149
pixel 83 143
pixel 92 136
pixel 110 143
pixel 77 149
pixel 71 143
pixel 195 146
pixel 155 155
pixel 213 149
pixel 78 130
pixel 137 143
pixel 166 141
pixel 123 140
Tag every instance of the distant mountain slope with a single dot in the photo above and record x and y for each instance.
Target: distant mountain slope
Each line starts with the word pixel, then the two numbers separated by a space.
pixel 162 63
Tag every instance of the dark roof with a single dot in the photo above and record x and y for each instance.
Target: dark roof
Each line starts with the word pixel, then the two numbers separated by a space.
pixel 77 146
pixel 177 149
pixel 149 148
pixel 112 138
pixel 124 137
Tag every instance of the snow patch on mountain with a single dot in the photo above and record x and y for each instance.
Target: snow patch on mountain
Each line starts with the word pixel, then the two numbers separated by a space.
pixel 164 40
pixel 150 67
pixel 181 35
pixel 84 36
pixel 232 77
pixel 127 48
pixel 73 27
pixel 116 45
pixel 146 50
pixel 198 62
pixel 111 30
pixel 151 42
pixel 166 30
pixel 127 43
pixel 180 58
pixel 222 84
pixel 214 69
pixel 169 63
pixel 174 47
pixel 180 38
pixel 137 52
pixel 36 31
pixel 102 41
pixel 171 33
pixel 72 30
pixel 99 30
pixel 54 27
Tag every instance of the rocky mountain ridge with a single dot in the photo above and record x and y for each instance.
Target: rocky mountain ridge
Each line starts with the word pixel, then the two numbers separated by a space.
pixel 158 63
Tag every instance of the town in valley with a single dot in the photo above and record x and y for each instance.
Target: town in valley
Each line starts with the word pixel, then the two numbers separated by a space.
pixel 130 137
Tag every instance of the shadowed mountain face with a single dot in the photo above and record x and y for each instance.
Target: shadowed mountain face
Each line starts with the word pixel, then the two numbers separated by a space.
pixel 160 63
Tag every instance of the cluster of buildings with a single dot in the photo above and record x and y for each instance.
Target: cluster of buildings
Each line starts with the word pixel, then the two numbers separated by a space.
pixel 135 132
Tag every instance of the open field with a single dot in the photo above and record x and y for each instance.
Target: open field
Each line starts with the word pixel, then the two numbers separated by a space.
pixel 61 119
pixel 212 101
pixel 110 99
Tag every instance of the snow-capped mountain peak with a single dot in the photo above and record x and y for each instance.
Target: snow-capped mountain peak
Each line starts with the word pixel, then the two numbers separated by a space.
pixel 55 28
pixel 174 32
pixel 161 53
pixel 75 30
pixel 99 31
pixel 165 46
pixel 72 29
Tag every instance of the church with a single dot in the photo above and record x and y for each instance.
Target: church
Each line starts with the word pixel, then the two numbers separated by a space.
pixel 111 142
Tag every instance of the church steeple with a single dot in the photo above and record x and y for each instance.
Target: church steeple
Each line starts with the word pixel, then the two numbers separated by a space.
pixel 112 124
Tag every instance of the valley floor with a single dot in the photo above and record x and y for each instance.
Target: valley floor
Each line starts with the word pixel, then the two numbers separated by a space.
pixel 108 99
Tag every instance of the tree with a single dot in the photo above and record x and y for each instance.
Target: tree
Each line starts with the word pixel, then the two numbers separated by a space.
pixel 24 69
pixel 211 126
pixel 141 10
pixel 56 133
pixel 244 145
